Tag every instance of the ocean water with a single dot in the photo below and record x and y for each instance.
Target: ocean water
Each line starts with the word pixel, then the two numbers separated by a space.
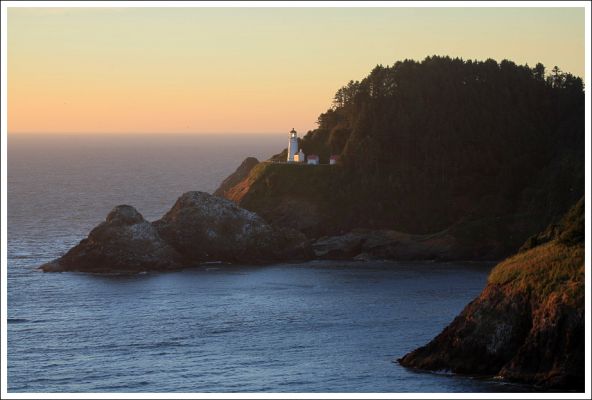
pixel 312 327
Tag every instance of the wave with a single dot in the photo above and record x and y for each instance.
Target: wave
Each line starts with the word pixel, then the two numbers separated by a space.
pixel 17 320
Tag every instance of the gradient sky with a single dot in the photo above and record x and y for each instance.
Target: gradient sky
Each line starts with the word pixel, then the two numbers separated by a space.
pixel 209 70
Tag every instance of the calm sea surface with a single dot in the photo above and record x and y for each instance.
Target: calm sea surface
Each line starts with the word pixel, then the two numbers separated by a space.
pixel 314 327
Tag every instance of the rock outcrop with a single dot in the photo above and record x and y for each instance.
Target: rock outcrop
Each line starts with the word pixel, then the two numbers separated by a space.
pixel 386 244
pixel 528 323
pixel 203 227
pixel 125 242
pixel 199 228
pixel 462 241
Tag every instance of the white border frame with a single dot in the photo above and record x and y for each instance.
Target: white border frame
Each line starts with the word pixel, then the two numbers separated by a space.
pixel 428 4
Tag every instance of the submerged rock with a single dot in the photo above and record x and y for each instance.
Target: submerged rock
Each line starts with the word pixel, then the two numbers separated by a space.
pixel 203 227
pixel 528 323
pixel 124 242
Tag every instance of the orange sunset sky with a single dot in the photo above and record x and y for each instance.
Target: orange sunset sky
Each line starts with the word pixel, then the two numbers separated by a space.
pixel 215 70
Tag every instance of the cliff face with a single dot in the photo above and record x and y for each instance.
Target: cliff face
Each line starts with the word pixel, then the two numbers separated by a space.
pixel 528 323
pixel 237 176
pixel 490 152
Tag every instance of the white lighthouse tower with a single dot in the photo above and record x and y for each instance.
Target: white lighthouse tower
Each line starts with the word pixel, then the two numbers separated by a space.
pixel 292 145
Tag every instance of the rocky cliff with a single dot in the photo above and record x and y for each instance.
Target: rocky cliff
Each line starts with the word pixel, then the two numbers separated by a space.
pixel 237 176
pixel 528 323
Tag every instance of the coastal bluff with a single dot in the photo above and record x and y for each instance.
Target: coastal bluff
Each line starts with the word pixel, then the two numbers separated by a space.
pixel 199 228
pixel 528 323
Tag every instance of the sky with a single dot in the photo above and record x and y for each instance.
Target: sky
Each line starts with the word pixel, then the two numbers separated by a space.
pixel 251 70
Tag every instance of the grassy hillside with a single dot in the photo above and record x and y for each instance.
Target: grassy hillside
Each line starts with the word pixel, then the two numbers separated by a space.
pixel 552 269
pixel 550 265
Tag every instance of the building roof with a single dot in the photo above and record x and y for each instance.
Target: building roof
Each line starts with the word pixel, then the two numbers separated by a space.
pixel 313 157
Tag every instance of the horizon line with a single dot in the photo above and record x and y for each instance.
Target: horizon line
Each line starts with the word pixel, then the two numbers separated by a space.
pixel 150 133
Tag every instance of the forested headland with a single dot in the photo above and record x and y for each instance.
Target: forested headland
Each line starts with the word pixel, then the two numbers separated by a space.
pixel 489 152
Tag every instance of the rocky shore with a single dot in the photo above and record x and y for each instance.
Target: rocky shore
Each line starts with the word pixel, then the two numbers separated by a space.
pixel 203 228
pixel 528 323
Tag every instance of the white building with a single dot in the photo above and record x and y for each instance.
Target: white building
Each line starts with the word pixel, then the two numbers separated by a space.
pixel 333 159
pixel 313 159
pixel 292 145
pixel 299 157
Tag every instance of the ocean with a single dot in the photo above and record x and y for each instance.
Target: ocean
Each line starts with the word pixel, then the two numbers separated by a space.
pixel 322 326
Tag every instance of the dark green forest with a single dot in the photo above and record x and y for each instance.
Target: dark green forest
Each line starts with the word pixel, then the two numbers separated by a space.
pixel 452 130
pixel 391 101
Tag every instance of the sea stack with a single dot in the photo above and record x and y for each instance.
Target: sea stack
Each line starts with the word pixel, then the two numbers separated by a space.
pixel 125 242
pixel 199 228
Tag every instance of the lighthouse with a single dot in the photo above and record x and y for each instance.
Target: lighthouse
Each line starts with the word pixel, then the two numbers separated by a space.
pixel 292 145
